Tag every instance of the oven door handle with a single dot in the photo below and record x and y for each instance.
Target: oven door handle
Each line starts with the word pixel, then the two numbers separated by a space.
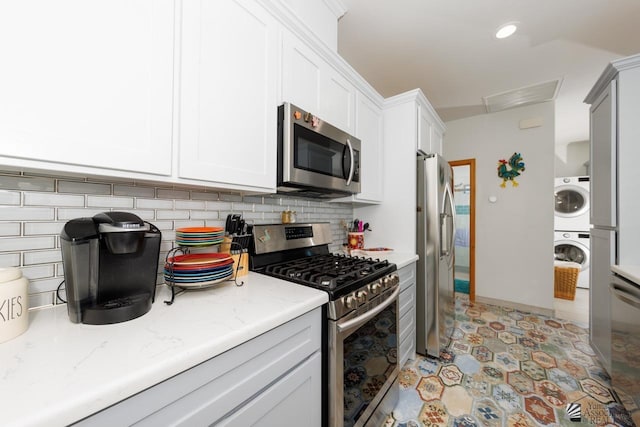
pixel 356 322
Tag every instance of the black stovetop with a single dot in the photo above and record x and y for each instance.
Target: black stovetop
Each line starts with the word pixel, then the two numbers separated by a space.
pixel 336 274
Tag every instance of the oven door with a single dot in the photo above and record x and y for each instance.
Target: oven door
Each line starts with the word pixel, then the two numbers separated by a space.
pixel 363 363
pixel 313 153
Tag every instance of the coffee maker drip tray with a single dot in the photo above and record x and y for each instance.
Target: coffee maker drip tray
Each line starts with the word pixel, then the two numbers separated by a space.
pixel 116 310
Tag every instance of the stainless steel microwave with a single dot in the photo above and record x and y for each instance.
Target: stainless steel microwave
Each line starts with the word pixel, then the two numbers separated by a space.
pixel 315 159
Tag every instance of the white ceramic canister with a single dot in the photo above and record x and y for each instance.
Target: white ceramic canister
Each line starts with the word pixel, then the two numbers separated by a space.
pixel 14 313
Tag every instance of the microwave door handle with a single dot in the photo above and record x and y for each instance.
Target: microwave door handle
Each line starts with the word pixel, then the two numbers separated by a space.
pixel 352 163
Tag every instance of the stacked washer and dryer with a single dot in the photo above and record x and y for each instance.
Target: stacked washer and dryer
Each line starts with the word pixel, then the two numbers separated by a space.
pixel 572 223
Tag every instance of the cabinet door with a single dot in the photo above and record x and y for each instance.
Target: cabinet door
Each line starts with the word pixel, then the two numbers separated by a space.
pixel 437 139
pixel 602 257
pixel 295 400
pixel 369 122
pixel 228 107
pixel 337 100
pixel 301 74
pixel 312 84
pixel 424 130
pixel 88 82
pixel 603 159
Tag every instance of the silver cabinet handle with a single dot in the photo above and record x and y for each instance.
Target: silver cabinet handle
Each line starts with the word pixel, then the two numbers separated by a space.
pixel 352 162
pixel 353 323
pixel 622 294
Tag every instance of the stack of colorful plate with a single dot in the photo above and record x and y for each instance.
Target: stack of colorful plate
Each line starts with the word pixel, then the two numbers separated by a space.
pixel 199 236
pixel 198 270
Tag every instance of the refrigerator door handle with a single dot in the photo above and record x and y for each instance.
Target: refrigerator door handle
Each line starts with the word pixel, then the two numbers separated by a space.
pixel 447 233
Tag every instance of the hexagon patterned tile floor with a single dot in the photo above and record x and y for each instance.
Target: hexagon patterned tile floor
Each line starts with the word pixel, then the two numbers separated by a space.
pixel 509 368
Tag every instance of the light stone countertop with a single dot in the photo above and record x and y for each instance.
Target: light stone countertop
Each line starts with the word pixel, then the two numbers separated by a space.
pixel 400 259
pixel 58 372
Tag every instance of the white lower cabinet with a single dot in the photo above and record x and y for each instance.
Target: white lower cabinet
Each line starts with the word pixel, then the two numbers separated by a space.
pixel 271 380
pixel 407 340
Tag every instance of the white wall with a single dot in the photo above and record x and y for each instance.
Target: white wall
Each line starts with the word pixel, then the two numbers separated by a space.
pixel 570 159
pixel 514 236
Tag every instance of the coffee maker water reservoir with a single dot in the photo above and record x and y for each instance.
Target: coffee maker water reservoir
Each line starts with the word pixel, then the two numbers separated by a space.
pixel 110 267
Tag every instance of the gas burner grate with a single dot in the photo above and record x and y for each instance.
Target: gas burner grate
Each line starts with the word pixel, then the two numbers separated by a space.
pixel 331 271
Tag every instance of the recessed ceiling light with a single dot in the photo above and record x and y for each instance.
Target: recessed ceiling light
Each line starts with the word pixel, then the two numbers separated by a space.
pixel 506 30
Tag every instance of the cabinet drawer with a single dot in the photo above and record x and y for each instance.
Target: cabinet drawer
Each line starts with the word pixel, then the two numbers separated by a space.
pixel 294 400
pixel 216 387
pixel 407 350
pixel 407 301
pixel 407 324
pixel 407 276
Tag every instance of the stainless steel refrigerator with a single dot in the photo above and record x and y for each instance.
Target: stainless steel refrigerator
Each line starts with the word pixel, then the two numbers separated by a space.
pixel 435 245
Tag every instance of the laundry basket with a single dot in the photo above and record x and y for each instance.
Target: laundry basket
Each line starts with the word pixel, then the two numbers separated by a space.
pixel 565 279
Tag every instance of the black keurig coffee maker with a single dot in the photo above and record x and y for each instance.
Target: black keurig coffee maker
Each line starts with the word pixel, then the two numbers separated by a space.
pixel 110 267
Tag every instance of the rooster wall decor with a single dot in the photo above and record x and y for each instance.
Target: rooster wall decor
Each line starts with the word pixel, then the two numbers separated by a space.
pixel 508 171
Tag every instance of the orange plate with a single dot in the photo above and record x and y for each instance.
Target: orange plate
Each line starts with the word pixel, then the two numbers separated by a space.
pixel 206 258
pixel 199 229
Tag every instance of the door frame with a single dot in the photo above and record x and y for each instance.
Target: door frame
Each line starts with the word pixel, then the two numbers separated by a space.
pixel 472 223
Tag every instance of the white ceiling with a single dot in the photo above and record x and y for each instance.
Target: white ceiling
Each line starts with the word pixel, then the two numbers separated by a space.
pixel 447 48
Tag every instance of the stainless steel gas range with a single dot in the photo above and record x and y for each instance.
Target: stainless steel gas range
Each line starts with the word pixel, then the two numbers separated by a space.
pixel 360 349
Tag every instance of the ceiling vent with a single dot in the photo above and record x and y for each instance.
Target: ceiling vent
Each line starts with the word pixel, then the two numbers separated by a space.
pixel 541 92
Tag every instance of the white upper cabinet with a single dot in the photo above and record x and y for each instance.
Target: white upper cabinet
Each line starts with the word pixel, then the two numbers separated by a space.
pixel 87 83
pixel 228 103
pixel 430 129
pixel 369 129
pixel 312 84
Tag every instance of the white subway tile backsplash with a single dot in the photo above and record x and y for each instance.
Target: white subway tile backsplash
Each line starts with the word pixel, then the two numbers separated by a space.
pixel 49 199
pixel 83 187
pixel 172 214
pixel 9 260
pixel 110 202
pixel 44 285
pixel 9 197
pixel 27 183
pixel 13 244
pixel 29 234
pixel 38 272
pixel 42 257
pixel 41 300
pixel 205 215
pixel 9 228
pixel 218 206
pixel 163 193
pixel 65 214
pixel 42 228
pixel 10 213
pixel 190 204
pixel 163 225
pixel 230 197
pixel 242 207
pixel 198 195
pixel 154 204
pixel 134 191
pixel 144 214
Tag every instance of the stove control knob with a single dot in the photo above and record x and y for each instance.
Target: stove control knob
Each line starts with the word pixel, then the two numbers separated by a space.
pixel 396 279
pixel 376 288
pixel 361 296
pixel 386 282
pixel 350 302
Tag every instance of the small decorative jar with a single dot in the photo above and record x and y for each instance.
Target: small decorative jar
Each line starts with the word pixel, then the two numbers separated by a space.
pixel 14 313
pixel 288 217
